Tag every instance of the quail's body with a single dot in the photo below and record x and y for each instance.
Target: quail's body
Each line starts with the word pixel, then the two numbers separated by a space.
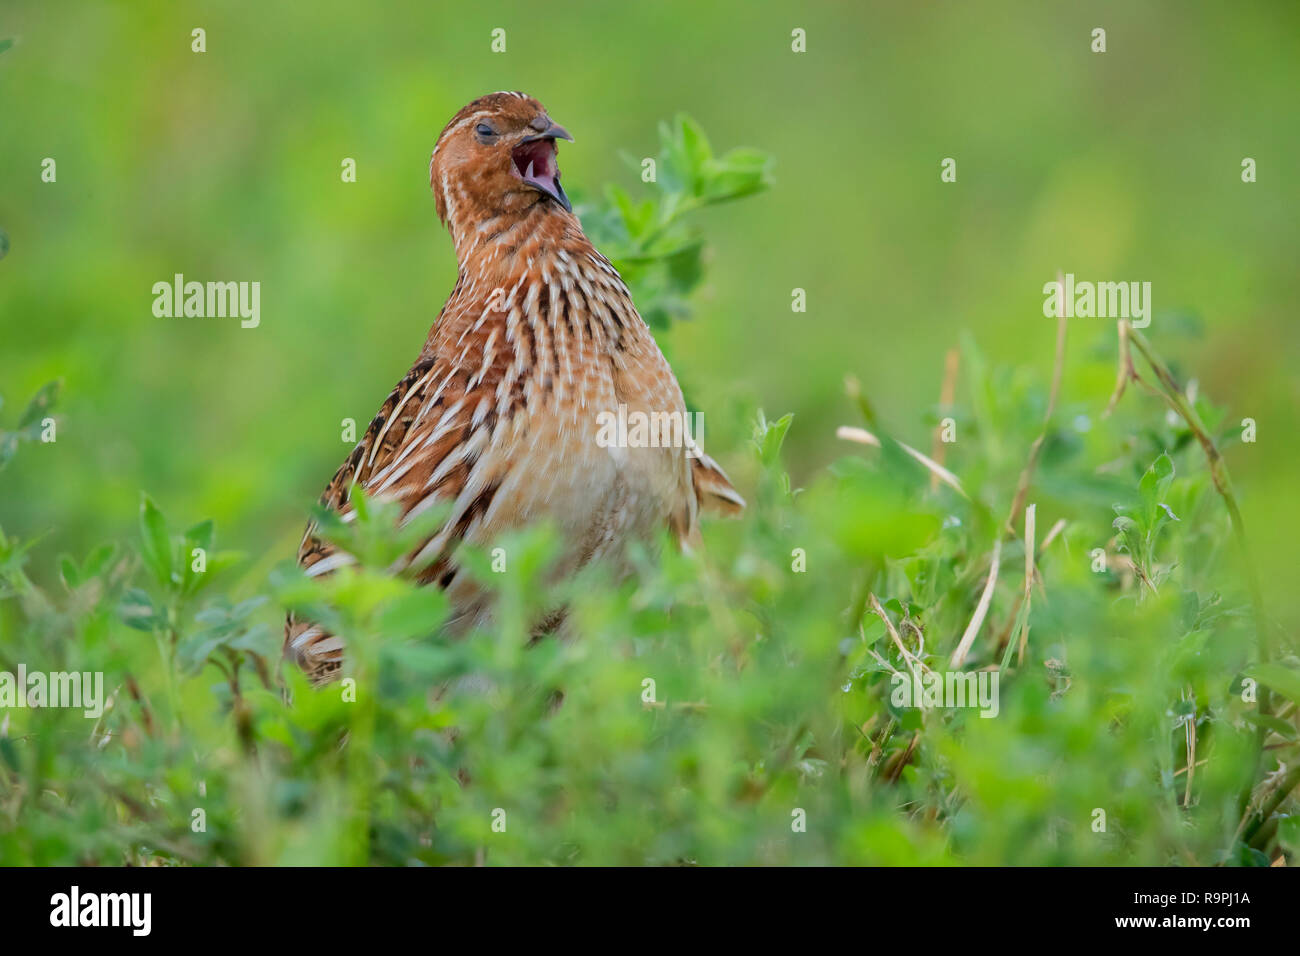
pixel 499 416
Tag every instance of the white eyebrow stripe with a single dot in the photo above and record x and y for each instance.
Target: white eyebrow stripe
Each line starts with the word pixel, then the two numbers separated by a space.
pixel 452 129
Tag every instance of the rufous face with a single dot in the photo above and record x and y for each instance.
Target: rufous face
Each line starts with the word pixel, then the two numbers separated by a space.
pixel 497 155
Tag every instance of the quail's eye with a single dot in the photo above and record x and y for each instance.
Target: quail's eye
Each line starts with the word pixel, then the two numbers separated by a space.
pixel 485 131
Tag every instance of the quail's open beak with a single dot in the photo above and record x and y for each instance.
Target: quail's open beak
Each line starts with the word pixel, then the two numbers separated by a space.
pixel 534 160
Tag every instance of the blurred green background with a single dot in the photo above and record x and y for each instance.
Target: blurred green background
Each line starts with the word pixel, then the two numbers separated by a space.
pixel 225 166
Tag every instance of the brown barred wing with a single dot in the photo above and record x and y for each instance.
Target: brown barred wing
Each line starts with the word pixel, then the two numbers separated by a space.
pixel 412 453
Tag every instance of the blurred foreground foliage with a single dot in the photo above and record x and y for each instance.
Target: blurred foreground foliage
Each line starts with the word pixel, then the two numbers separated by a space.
pixel 731 706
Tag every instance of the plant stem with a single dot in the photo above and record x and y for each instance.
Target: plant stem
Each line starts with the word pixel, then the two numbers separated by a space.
pixel 1177 400
pixel 1222 483
pixel 1257 827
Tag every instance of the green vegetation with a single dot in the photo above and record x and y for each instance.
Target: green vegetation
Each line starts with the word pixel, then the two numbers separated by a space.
pixel 730 706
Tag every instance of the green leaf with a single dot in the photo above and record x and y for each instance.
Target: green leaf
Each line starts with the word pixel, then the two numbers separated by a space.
pixel 694 150
pixel 1155 485
pixel 742 172
pixel 69 573
pixel 422 660
pixel 686 266
pixel 194 650
pixel 10 754
pixel 137 610
pixel 40 404
pixel 155 547
pixel 636 218
pixel 417 614
pixel 673 175
pixel 257 640
pixel 247 607
pixel 97 561
pixel 769 436
pixel 1280 727
pixel 199 536
pixel 1283 680
pixel 1288 833
pixel 1124 524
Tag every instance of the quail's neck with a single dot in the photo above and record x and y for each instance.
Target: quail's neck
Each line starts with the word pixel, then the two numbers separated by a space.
pixel 509 240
